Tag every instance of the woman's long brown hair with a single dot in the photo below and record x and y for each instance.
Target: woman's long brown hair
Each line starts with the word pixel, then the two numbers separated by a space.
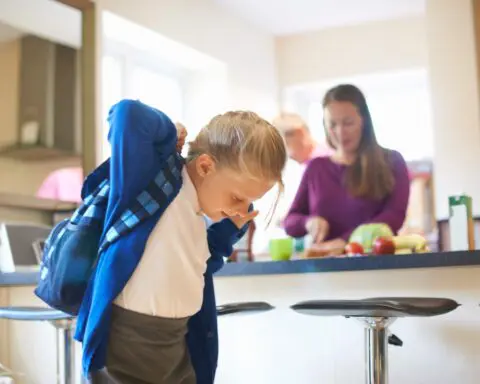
pixel 371 174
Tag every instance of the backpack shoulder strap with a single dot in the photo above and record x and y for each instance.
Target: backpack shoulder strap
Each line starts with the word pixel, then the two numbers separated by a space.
pixel 156 197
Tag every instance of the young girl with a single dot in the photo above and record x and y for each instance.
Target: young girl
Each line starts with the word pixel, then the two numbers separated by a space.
pixel 149 314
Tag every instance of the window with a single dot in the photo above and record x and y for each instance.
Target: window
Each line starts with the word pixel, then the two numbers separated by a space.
pixel 112 76
pixel 157 90
pixel 122 77
pixel 399 105
pixel 402 121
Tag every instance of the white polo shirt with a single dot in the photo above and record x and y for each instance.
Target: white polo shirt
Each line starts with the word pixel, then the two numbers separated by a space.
pixel 168 281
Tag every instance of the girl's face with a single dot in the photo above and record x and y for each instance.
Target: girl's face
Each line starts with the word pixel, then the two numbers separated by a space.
pixel 223 192
pixel 344 126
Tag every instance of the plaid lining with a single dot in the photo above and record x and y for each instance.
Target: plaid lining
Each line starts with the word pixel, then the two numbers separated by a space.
pixel 93 207
pixel 156 195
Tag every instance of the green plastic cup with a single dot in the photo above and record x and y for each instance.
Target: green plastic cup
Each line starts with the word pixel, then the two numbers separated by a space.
pixel 281 249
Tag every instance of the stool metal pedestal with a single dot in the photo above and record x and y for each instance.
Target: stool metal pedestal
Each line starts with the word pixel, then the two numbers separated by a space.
pixel 376 349
pixel 377 314
pixel 63 323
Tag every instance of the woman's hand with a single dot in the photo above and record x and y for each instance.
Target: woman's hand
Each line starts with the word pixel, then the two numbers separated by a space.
pixel 318 228
pixel 181 136
pixel 334 247
pixel 329 248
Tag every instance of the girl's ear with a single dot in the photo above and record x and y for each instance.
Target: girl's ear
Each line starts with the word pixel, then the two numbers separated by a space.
pixel 205 165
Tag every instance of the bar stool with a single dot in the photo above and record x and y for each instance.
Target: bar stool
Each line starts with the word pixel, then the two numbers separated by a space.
pixel 63 323
pixel 247 307
pixel 377 314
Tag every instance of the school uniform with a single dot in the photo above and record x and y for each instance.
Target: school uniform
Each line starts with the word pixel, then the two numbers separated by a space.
pixel 147 293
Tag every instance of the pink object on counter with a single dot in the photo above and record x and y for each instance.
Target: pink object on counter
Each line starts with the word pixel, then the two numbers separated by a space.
pixel 64 184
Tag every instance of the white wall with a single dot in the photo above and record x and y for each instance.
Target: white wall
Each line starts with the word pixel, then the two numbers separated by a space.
pixel 45 18
pixel 455 101
pixel 248 53
pixel 342 52
pixel 284 347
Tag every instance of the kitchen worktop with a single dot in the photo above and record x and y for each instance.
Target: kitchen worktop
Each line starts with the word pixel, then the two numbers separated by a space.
pixel 337 264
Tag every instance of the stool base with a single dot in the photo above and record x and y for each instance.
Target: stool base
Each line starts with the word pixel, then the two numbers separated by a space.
pixel 66 351
pixel 376 349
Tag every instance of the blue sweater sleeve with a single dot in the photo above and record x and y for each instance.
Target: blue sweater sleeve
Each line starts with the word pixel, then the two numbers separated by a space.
pixel 141 138
pixel 222 236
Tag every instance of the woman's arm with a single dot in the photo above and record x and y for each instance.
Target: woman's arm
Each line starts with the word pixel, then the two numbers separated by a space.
pixel 298 214
pixel 395 208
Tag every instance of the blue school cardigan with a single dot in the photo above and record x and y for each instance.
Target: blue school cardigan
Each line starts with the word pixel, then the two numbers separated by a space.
pixel 142 139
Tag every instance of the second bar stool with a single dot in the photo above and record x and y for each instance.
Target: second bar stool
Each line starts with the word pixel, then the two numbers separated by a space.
pixel 249 307
pixel 63 323
pixel 376 315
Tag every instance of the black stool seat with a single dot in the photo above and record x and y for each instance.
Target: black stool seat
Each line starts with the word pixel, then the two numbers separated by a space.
pixel 387 307
pixel 244 307
pixel 33 314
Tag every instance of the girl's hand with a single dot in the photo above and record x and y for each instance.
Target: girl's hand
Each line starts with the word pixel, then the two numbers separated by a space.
pixel 318 228
pixel 181 136
pixel 240 221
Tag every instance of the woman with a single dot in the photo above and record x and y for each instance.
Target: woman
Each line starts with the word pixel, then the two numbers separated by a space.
pixel 360 183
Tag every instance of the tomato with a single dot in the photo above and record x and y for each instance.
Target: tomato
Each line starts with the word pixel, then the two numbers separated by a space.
pixel 353 249
pixel 383 246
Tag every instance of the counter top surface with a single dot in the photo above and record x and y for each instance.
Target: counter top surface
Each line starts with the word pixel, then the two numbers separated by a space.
pixel 363 263
pixel 30 202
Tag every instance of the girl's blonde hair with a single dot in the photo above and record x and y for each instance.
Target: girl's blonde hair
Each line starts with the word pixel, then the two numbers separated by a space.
pixel 246 143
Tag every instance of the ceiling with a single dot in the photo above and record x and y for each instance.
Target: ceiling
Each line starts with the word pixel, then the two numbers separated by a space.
pixel 285 17
pixel 8 33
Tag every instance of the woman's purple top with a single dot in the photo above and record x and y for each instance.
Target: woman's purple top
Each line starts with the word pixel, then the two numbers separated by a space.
pixel 322 192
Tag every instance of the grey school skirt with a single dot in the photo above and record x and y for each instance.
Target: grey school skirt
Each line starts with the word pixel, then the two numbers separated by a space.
pixel 145 349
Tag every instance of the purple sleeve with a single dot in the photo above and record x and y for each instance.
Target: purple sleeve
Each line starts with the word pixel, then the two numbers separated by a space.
pixel 298 214
pixel 395 208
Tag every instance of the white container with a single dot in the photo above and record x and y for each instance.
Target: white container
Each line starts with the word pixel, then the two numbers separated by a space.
pixel 461 223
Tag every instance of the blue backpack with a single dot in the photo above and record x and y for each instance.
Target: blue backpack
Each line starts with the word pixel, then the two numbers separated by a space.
pixel 70 254
pixel 72 249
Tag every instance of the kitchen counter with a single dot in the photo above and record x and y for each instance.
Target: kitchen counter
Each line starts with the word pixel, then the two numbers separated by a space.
pixel 361 263
pixel 325 349
pixel 320 265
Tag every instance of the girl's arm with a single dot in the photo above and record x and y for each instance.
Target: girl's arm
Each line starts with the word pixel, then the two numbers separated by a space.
pixel 141 138
pixel 222 236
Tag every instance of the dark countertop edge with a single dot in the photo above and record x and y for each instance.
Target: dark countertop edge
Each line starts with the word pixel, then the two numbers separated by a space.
pixel 18 279
pixel 363 263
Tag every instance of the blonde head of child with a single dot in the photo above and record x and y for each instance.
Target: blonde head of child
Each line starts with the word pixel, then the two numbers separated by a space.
pixel 233 161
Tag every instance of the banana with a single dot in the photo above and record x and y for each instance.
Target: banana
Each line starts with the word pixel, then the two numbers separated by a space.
pixel 415 243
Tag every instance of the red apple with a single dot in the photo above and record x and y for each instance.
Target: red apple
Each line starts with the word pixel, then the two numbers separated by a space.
pixel 353 249
pixel 383 246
